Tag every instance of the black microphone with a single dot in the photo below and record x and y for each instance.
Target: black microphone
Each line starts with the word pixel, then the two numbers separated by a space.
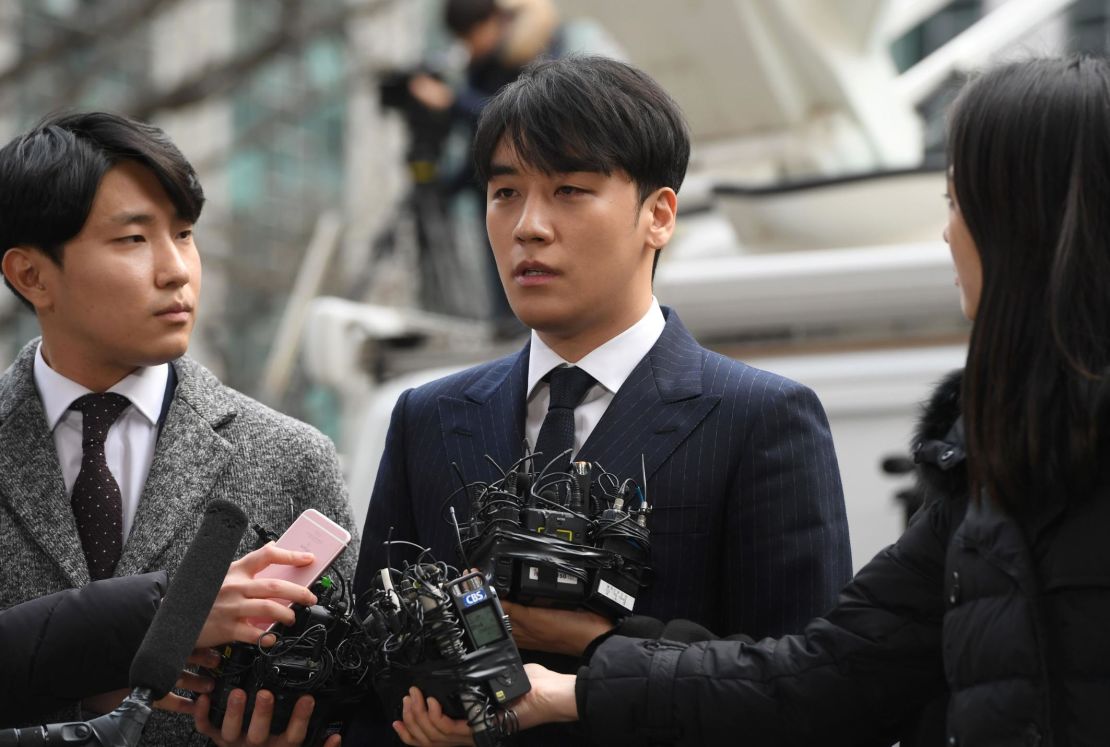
pixel 177 623
pixel 167 644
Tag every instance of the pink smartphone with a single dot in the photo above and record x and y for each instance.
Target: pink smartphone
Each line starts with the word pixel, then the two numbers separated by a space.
pixel 311 532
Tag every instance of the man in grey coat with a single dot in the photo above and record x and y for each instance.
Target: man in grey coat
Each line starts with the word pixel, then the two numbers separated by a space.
pixel 111 440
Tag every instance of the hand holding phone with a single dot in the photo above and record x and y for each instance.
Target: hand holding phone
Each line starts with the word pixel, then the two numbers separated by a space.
pixel 244 602
pixel 311 532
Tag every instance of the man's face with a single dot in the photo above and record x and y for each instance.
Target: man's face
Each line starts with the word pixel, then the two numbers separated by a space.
pixel 126 293
pixel 574 251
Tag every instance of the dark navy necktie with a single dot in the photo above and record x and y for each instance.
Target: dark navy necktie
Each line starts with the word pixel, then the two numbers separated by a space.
pixel 97 503
pixel 569 385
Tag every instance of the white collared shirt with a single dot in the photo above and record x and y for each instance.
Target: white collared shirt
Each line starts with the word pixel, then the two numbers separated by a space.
pixel 129 447
pixel 610 363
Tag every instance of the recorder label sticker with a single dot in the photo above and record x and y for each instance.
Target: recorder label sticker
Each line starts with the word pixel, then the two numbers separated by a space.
pixel 566 578
pixel 606 589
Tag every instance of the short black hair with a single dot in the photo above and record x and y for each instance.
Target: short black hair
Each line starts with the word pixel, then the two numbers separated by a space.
pixel 461 16
pixel 587 113
pixel 49 176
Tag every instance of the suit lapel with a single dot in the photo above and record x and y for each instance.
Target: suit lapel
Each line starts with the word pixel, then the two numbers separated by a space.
pixel 488 419
pixel 656 408
pixel 189 458
pixel 30 476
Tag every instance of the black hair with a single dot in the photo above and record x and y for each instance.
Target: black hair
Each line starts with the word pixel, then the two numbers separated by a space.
pixel 586 113
pixel 1029 152
pixel 49 176
pixel 460 16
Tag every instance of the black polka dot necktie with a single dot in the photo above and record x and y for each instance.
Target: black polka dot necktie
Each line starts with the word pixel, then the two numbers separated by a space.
pixel 97 503
pixel 569 385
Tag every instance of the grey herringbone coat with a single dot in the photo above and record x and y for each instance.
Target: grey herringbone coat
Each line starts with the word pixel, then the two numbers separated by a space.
pixel 215 443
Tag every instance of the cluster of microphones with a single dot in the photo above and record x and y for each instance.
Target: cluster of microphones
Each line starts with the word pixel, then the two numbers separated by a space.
pixel 573 539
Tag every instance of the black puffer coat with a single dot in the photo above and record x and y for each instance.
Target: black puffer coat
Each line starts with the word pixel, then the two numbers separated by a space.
pixel 1009 622
pixel 72 644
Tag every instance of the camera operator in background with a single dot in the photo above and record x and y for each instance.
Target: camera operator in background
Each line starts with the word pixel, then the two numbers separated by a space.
pixel 78 644
pixel 985 623
pixel 500 37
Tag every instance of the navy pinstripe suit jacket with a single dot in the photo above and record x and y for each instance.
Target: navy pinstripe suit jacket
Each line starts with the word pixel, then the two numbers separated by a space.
pixel 748 532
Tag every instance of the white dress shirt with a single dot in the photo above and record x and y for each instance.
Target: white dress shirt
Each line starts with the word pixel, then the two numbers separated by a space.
pixel 610 364
pixel 129 447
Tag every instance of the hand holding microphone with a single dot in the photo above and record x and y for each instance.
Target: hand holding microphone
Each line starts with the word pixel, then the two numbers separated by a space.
pixel 231 733
pixel 551 699
pixel 557 631
pixel 239 594
pixel 240 598
pixel 243 597
pixel 185 618
pixel 169 641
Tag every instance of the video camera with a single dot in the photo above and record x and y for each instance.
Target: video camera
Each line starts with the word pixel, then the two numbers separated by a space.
pixel 428 128
pixel 561 539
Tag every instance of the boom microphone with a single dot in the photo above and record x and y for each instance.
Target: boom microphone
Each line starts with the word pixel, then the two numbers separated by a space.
pixel 168 642
pixel 177 623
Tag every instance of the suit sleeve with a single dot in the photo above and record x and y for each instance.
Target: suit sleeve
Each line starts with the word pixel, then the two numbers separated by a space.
pixel 789 553
pixel 856 677
pixel 390 508
pixel 72 644
pixel 390 504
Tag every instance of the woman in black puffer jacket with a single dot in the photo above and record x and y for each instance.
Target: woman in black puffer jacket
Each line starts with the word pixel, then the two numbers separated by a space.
pixel 988 622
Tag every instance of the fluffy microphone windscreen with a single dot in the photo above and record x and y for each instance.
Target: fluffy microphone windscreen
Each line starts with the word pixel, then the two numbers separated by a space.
pixel 177 623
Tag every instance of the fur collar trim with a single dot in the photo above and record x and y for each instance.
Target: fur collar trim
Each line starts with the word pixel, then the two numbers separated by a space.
pixel 938 445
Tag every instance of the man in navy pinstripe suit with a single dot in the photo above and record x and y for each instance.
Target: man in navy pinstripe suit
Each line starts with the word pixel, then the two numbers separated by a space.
pixel 583 158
